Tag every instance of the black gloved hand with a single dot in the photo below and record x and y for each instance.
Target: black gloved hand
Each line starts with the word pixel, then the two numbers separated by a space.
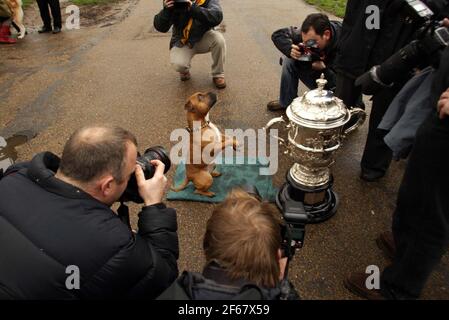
pixel 369 82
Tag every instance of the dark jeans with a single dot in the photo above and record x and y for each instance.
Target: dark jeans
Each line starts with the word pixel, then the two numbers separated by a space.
pixel 421 220
pixel 377 155
pixel 45 13
pixel 292 72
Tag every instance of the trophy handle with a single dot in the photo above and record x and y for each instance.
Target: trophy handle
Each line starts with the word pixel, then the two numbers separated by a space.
pixel 361 120
pixel 271 123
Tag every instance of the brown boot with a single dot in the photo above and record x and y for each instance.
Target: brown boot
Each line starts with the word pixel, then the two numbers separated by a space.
pixel 385 242
pixel 184 76
pixel 274 106
pixel 356 284
pixel 219 82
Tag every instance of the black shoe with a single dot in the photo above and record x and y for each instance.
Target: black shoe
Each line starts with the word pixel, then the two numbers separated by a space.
pixel 370 175
pixel 274 106
pixel 44 29
pixel 56 30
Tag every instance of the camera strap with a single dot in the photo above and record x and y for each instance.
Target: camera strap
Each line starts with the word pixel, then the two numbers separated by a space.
pixel 187 29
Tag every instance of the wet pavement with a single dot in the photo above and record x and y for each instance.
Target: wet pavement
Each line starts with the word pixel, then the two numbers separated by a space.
pixel 8 152
pixel 120 74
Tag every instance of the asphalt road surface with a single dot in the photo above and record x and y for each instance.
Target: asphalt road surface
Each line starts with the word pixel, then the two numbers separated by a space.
pixel 121 74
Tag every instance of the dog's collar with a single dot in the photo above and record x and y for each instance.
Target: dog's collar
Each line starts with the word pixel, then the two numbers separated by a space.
pixel 190 130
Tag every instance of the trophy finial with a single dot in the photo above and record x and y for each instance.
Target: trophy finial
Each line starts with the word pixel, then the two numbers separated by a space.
pixel 321 82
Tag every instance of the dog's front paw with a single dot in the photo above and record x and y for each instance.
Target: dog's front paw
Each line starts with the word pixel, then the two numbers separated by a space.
pixel 215 174
pixel 21 34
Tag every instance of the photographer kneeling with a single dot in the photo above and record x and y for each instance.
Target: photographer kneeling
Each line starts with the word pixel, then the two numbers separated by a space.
pixel 59 239
pixel 193 24
pixel 309 51
pixel 244 253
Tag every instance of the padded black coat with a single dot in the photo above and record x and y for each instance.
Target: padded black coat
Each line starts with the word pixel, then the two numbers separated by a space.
pixel 47 225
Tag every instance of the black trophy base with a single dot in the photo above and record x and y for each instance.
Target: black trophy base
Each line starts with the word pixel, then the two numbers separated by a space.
pixel 310 205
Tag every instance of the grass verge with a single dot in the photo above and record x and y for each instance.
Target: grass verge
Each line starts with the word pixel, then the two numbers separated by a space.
pixel 26 3
pixel 336 7
pixel 91 2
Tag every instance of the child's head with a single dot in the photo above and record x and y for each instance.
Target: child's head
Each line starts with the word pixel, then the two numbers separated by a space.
pixel 243 235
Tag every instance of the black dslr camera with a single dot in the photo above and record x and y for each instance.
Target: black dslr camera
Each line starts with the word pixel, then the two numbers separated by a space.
pixel 131 192
pixel 431 39
pixel 310 52
pixel 181 5
pixel 432 27
pixel 154 153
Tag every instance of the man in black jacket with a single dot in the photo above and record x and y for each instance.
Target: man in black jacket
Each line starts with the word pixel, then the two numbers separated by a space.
pixel 363 47
pixel 421 219
pixel 59 239
pixel 245 258
pixel 296 65
pixel 193 25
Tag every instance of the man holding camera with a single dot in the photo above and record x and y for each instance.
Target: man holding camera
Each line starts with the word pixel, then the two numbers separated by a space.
pixel 421 218
pixel 400 22
pixel 59 238
pixel 193 33
pixel 245 254
pixel 309 51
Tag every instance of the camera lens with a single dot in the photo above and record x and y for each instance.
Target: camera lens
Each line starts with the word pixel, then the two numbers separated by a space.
pixel 154 153
pixel 131 192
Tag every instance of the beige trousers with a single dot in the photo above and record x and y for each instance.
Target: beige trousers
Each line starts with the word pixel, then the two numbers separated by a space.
pixel 212 41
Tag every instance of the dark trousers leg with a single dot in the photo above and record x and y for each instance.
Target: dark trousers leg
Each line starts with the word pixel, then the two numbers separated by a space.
pixel 56 13
pixel 421 219
pixel 45 13
pixel 377 156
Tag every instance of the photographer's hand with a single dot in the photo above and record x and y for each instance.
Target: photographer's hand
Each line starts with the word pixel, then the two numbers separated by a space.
pixel 295 53
pixel 443 105
pixel 446 22
pixel 169 4
pixel 152 190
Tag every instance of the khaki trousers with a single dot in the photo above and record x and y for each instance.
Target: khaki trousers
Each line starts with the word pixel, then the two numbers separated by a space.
pixel 212 41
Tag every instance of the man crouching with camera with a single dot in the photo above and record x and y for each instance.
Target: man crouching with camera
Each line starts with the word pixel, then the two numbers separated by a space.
pixel 193 24
pixel 309 51
pixel 60 239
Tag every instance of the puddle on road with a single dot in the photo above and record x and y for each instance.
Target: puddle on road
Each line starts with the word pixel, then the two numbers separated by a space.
pixel 8 153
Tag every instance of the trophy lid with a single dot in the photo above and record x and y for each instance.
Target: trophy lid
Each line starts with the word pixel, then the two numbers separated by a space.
pixel 318 108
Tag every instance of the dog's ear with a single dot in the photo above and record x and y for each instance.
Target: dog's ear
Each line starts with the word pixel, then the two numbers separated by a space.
pixel 189 107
